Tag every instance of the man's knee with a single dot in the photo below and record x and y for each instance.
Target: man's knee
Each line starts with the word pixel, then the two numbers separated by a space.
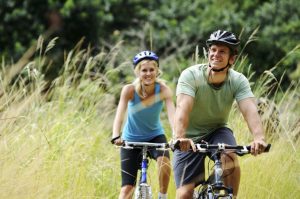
pixel 185 191
pixel 230 162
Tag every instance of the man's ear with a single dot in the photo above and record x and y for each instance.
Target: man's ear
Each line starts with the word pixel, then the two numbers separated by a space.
pixel 232 59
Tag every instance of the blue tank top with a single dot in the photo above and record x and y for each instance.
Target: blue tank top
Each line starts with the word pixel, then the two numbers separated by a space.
pixel 143 122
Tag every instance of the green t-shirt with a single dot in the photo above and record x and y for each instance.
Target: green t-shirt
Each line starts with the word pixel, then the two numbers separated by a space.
pixel 211 105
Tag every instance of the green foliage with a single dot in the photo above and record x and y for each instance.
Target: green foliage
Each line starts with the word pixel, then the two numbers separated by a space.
pixel 278 35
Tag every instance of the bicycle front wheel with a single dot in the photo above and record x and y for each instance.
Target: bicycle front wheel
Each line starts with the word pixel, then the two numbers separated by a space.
pixel 204 193
pixel 143 191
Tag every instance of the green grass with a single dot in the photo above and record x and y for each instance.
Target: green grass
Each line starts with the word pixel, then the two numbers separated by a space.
pixel 57 145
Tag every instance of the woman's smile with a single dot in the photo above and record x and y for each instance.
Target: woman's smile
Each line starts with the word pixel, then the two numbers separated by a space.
pixel 148 73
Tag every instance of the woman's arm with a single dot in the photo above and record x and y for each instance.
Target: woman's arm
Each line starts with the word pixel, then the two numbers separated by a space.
pixel 126 95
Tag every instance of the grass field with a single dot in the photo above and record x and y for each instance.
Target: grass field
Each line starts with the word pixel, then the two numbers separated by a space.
pixel 59 147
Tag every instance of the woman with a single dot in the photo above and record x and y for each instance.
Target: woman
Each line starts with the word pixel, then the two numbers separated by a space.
pixel 144 99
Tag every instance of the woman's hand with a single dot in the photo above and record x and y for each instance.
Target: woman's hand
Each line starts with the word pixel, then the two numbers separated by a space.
pixel 117 141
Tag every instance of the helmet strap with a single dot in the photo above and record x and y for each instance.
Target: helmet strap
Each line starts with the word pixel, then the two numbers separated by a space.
pixel 219 70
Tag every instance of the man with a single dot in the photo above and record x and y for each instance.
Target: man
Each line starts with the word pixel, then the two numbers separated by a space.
pixel 205 94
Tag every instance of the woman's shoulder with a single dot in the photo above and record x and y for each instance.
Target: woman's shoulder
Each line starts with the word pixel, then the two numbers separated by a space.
pixel 128 87
pixel 163 85
pixel 128 90
pixel 165 89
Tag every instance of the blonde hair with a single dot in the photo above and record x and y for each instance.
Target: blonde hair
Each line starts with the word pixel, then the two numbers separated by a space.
pixel 138 83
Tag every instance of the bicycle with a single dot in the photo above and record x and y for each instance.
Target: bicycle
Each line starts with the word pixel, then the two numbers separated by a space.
pixel 143 189
pixel 213 186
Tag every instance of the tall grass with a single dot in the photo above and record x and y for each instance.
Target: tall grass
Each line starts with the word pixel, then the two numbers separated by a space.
pixel 55 144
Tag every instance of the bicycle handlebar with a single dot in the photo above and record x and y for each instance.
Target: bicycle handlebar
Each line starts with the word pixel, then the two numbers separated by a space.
pixel 148 145
pixel 238 149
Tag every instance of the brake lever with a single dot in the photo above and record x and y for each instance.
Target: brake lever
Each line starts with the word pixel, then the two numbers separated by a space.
pixel 175 145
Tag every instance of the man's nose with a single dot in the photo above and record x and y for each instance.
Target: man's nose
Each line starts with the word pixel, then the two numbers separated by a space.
pixel 216 53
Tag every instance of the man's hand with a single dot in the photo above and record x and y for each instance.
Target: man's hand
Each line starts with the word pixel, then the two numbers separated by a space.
pixel 258 146
pixel 185 144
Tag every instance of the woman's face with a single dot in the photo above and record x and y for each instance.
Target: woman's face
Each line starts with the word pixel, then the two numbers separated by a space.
pixel 219 56
pixel 148 72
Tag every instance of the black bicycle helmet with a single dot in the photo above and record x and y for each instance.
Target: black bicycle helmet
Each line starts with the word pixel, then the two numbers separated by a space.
pixel 223 37
pixel 144 55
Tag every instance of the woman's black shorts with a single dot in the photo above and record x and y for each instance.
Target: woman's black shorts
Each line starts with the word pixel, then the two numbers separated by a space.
pixel 131 160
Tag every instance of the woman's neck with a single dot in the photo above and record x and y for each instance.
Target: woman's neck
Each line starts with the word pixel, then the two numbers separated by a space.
pixel 148 90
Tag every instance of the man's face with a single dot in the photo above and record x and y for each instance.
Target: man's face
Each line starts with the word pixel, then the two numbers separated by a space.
pixel 219 56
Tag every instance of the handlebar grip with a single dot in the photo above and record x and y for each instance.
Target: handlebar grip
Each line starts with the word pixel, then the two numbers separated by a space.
pixel 175 145
pixel 267 149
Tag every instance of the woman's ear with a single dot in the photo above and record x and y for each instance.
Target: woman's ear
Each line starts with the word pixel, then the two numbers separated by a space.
pixel 136 73
pixel 158 72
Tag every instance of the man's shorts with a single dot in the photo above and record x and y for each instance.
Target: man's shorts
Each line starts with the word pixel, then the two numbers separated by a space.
pixel 131 160
pixel 189 167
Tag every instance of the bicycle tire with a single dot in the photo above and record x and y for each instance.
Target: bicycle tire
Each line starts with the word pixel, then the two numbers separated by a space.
pixel 202 194
pixel 143 191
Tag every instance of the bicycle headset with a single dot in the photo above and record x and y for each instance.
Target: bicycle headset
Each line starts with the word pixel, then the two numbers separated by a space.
pixel 144 55
pixel 226 38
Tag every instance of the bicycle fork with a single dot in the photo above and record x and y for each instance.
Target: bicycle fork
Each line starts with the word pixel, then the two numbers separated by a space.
pixel 218 180
pixel 143 190
pixel 218 170
pixel 144 167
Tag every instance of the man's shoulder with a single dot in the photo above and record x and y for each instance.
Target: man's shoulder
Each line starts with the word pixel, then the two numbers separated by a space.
pixel 236 75
pixel 234 72
pixel 194 69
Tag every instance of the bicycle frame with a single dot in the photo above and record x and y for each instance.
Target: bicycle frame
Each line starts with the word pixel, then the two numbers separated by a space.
pixel 144 166
pixel 143 189
pixel 215 187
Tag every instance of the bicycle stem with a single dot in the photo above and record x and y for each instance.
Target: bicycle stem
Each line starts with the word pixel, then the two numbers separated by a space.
pixel 218 169
pixel 144 166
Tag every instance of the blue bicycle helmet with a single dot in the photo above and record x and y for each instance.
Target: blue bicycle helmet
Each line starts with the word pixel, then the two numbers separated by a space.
pixel 223 37
pixel 144 55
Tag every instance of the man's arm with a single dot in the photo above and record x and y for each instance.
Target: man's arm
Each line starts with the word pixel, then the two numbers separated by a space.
pixel 249 110
pixel 183 108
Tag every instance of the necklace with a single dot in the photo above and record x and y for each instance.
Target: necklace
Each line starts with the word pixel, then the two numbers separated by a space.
pixel 144 90
pixel 144 93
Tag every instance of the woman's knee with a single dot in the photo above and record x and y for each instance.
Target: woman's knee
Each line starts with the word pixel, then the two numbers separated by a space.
pixel 163 161
pixel 126 191
pixel 164 164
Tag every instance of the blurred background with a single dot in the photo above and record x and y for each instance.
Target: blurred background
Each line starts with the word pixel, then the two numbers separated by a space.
pixel 168 27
